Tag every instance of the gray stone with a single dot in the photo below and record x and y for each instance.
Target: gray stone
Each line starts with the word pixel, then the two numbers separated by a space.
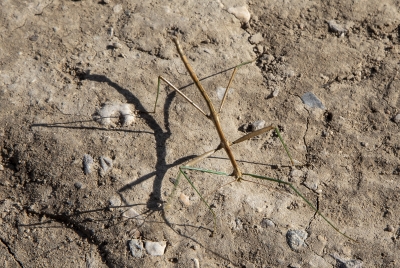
pixel 257 125
pixel 105 164
pixel 265 223
pixel 87 164
pixel 296 239
pixel 343 263
pixel 136 247
pixel 396 119
pixel 312 101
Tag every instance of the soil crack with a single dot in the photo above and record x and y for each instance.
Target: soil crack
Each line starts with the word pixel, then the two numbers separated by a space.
pixel 11 252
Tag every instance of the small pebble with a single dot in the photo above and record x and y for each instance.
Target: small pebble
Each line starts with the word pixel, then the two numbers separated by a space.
pixel 105 164
pixel 312 180
pixel 364 144
pixel 312 101
pixel 196 263
pixel 120 111
pixel 238 224
pixel 106 1
pixel 296 238
pixel 155 248
pixel 389 228
pixel 117 45
pixel 78 185
pixel 184 199
pixel 87 164
pixel 267 223
pixel 1 167
pixel 256 38
pixel 34 38
pixel 336 28
pixel 110 31
pixel 241 13
pixel 136 247
pixel 260 49
pixel 342 263
pixel 257 125
pixel 396 119
pixel 275 93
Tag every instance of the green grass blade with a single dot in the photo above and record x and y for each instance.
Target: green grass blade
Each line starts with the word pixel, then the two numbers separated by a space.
pixel 305 199
pixel 201 197
pixel 284 145
pixel 205 170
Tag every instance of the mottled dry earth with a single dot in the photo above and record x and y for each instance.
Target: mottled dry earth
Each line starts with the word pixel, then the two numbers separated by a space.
pixel 65 63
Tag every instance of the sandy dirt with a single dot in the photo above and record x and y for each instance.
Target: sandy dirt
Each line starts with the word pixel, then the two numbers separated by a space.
pixel 64 64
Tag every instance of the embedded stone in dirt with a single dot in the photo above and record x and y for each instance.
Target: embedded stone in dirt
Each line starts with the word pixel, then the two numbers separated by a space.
pixel 136 248
pixel 155 248
pixel 87 164
pixel 312 101
pixel 296 239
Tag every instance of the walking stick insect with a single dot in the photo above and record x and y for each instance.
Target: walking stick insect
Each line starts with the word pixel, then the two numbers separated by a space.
pixel 224 143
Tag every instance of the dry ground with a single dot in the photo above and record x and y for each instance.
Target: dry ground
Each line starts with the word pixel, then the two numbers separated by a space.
pixel 61 61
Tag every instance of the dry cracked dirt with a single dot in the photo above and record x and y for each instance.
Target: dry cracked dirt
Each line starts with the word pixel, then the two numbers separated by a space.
pixel 78 189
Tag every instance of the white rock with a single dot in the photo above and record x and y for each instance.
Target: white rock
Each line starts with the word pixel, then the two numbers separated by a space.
pixel 257 125
pixel 196 263
pixel 136 247
pixel 256 38
pixel 335 27
pixel 275 92
pixel 241 13
pixel 109 111
pixel 155 248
